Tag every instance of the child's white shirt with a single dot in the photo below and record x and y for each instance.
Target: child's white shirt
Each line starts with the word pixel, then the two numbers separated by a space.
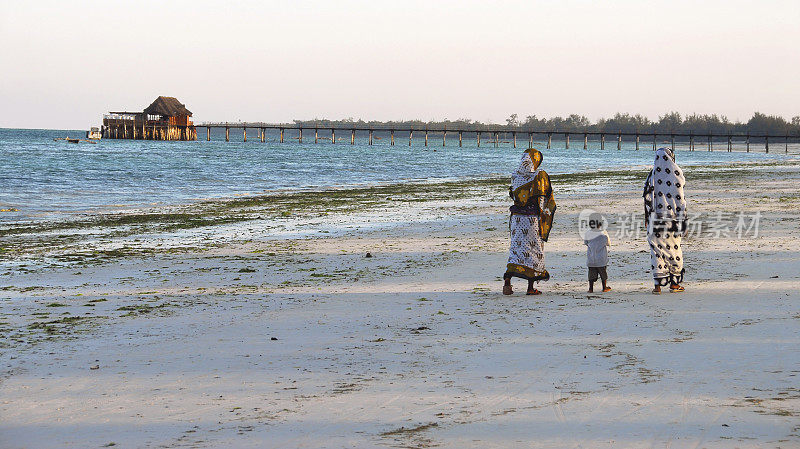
pixel 597 249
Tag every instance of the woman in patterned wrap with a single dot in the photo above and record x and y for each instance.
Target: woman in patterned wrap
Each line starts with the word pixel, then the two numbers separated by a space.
pixel 665 219
pixel 530 222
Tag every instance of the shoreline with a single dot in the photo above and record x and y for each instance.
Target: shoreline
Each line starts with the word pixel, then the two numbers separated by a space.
pixel 88 191
pixel 294 200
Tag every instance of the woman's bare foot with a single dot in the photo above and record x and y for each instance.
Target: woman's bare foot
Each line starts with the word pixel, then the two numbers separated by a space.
pixel 507 290
pixel 606 289
pixel 657 290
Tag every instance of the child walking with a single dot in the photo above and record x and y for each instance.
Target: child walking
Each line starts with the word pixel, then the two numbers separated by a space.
pixel 597 243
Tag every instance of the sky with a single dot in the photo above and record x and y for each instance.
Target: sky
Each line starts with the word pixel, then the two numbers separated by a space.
pixel 66 63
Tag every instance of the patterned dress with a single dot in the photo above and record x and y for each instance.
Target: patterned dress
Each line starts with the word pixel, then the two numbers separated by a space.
pixel 531 219
pixel 665 212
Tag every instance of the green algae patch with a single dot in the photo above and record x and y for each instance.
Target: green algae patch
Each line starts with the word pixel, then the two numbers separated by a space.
pixel 141 309
pixel 62 326
pixel 62 237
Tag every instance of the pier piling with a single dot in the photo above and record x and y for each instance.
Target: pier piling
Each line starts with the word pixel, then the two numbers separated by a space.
pixel 514 137
pixel 460 136
pixel 637 142
pixel 619 141
pixel 316 135
pixel 585 141
pixel 530 140
pixel 392 137
pixel 479 139
pixel 549 139
pixel 766 144
pixel 602 141
pixel 352 137
pixel 227 134
pixel 300 137
pixel 410 136
pixel 333 135
pixel 444 137
pixel 281 135
pixel 208 134
pixel 710 144
pixel 426 137
pixel 566 141
pixel 748 142
pixel 244 133
pixel 370 137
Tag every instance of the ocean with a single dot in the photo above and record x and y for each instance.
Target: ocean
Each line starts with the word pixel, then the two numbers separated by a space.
pixel 42 178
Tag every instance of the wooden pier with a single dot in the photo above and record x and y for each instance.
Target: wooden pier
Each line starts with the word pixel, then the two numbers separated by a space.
pixel 495 132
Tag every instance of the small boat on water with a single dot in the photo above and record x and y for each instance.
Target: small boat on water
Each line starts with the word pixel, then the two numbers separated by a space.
pixel 71 140
pixel 94 133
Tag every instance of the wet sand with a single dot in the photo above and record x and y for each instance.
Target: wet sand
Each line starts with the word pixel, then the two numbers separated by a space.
pixel 277 331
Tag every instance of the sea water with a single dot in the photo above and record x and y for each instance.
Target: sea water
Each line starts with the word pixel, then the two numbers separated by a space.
pixel 42 178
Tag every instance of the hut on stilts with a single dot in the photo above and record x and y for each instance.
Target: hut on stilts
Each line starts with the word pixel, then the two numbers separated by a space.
pixel 165 119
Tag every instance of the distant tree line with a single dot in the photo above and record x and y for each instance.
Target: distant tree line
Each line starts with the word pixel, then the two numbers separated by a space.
pixel 670 122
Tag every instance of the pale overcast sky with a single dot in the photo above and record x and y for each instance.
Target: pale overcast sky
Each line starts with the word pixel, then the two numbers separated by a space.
pixel 66 63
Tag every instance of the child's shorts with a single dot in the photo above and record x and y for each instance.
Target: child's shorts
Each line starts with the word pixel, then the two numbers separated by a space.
pixel 594 272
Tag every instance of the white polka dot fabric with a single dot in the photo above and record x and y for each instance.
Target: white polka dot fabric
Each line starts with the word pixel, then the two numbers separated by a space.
pixel 667 181
pixel 665 212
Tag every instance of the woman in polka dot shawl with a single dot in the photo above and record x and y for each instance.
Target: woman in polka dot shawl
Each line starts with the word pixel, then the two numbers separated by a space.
pixel 665 219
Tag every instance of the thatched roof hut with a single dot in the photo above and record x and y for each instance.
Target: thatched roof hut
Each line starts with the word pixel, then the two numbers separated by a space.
pixel 165 119
pixel 167 107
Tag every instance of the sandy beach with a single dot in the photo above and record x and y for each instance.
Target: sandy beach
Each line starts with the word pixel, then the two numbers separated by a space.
pixel 260 322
